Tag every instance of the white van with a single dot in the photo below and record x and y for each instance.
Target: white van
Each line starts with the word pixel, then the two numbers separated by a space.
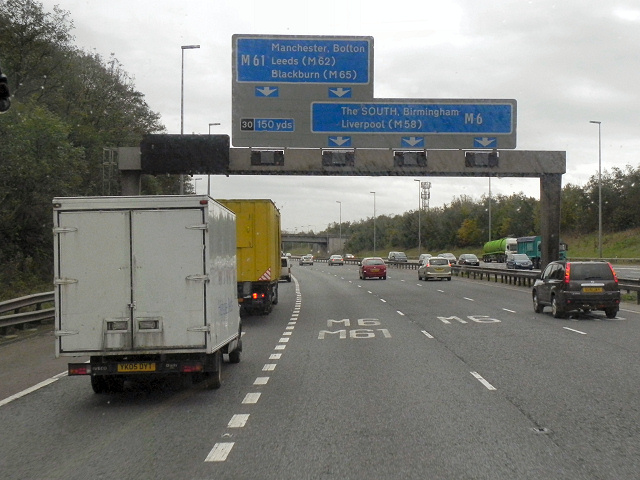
pixel 285 268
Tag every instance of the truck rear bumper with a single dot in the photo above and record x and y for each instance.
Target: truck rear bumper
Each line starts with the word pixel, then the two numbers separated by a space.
pixel 144 366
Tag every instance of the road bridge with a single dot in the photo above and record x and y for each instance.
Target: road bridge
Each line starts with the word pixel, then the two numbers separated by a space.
pixel 324 244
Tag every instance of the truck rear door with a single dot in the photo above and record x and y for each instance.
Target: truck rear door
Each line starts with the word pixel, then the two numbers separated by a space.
pixel 168 279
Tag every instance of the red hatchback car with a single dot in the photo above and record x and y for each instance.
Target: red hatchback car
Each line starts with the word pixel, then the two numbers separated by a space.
pixel 371 267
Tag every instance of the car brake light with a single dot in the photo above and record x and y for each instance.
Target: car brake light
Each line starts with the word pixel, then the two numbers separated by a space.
pixel 615 277
pixel 567 273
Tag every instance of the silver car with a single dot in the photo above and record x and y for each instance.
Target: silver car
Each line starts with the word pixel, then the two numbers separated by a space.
pixel 435 267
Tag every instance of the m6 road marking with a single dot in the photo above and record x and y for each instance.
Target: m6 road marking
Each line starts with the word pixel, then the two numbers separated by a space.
pixel 473 318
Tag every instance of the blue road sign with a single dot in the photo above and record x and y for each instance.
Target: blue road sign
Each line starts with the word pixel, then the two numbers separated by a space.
pixel 303 59
pixel 439 117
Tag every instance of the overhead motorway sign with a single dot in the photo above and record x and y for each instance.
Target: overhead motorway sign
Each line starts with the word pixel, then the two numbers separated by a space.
pixel 410 123
pixel 276 77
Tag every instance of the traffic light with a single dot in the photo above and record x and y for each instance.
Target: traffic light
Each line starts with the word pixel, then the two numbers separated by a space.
pixel 5 96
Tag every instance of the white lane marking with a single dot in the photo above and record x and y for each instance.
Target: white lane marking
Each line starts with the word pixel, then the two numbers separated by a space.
pixel 269 367
pixel 290 327
pixel 251 398
pixel 427 334
pixel 284 340
pixel 483 381
pixel 29 390
pixel 219 452
pixel 369 291
pixel 510 311
pixel 577 331
pixel 383 300
pixel 275 356
pixel 238 421
pixel 280 347
pixel 470 299
pixel 400 313
pixel 261 381
pixel 441 291
pixel 287 334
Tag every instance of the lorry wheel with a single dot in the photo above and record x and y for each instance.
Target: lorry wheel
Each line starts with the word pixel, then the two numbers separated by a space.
pixel 234 357
pixel 275 295
pixel 115 383
pixel 98 384
pixel 611 312
pixel 213 380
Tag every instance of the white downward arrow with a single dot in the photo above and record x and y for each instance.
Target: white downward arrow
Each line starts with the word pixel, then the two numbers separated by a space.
pixel 266 91
pixel 340 92
pixel 413 141
pixel 340 140
pixel 485 142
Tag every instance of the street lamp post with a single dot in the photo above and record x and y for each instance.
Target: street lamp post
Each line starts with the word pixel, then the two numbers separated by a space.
pixel 599 187
pixel 374 223
pixel 183 47
pixel 339 202
pixel 419 208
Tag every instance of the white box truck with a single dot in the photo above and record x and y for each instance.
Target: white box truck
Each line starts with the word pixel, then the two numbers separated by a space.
pixel 145 286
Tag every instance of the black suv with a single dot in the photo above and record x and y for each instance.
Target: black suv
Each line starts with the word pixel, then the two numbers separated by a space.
pixel 571 286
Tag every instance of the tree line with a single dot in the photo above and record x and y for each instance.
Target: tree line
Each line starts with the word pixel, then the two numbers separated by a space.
pixel 464 222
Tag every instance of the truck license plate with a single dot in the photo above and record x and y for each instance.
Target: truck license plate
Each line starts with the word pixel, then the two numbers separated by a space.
pixel 592 289
pixel 136 367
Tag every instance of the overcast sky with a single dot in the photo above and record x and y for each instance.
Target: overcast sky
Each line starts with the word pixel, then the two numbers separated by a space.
pixel 565 62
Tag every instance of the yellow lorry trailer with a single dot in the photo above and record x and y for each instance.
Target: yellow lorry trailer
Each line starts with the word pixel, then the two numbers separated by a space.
pixel 258 253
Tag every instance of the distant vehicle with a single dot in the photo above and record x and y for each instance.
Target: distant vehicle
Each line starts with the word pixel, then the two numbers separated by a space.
pixel 449 256
pixel 285 268
pixel 373 267
pixel 336 260
pixel 349 256
pixel 497 250
pixel 468 259
pixel 423 257
pixel 570 286
pixel 530 246
pixel 435 267
pixel 306 260
pixel 287 254
pixel 519 261
pixel 397 257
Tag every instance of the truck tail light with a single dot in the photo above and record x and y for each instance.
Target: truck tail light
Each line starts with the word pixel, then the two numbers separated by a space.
pixel 79 369
pixel 257 296
pixel 567 273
